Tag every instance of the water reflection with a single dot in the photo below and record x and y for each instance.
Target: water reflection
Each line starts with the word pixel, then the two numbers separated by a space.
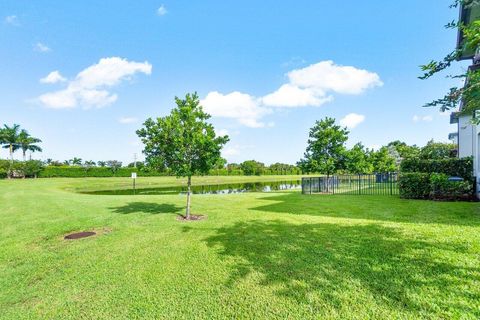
pixel 231 188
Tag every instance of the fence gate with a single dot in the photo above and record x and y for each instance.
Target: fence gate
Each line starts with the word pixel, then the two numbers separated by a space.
pixel 355 184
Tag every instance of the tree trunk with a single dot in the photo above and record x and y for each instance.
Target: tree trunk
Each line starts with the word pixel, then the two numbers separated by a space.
pixel 11 152
pixel 24 156
pixel 189 184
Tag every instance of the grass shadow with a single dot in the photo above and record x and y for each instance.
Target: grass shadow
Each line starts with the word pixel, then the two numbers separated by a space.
pixel 340 267
pixel 146 207
pixel 382 208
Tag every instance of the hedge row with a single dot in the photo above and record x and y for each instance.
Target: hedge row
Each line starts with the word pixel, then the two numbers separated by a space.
pixel 79 172
pixel 414 185
pixel 429 179
pixel 452 167
pixel 435 186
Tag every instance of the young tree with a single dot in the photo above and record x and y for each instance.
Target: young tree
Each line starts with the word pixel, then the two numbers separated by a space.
pixel 358 160
pixel 382 161
pixel 183 142
pixel 26 142
pixel 326 148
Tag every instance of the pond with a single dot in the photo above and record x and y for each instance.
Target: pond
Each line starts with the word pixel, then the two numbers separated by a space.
pixel 230 188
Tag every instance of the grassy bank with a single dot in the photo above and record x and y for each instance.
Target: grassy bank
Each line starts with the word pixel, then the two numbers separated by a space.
pixel 267 256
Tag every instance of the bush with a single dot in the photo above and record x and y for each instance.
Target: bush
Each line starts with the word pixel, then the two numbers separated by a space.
pixel 414 185
pixel 3 173
pixel 443 189
pixel 452 167
pixel 80 172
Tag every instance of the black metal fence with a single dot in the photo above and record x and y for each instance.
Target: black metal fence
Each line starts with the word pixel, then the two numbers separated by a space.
pixel 353 184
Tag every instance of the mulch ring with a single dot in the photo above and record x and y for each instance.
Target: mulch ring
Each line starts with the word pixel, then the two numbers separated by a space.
pixel 85 234
pixel 193 217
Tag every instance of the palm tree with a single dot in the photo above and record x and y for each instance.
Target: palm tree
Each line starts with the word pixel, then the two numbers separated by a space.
pixel 27 143
pixel 9 138
pixel 76 161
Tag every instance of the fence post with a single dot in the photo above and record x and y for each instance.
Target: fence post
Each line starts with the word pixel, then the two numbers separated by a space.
pixel 391 184
pixel 359 189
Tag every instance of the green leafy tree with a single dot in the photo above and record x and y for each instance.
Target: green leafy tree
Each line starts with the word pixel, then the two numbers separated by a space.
pixel 438 150
pixel 469 94
pixel 26 142
pixel 282 168
pixel 9 138
pixel 252 167
pixel 358 160
pixel 184 142
pixel 102 163
pixel 404 150
pixel 114 165
pixel 326 148
pixel 383 161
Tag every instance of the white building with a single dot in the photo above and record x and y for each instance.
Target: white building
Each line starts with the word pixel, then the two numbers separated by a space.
pixel 467 138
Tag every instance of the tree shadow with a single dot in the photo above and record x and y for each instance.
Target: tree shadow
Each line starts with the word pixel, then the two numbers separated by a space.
pixel 330 266
pixel 382 208
pixel 146 207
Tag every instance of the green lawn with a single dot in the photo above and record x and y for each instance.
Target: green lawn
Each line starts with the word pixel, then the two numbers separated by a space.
pixel 264 256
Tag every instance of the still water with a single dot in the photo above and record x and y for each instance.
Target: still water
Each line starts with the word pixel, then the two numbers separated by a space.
pixel 230 188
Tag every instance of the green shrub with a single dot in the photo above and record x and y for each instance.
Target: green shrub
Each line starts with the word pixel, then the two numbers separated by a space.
pixel 31 168
pixel 414 185
pixel 3 173
pixel 79 172
pixel 452 167
pixel 443 189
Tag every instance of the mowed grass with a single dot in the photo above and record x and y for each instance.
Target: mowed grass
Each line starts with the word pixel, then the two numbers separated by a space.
pixel 257 256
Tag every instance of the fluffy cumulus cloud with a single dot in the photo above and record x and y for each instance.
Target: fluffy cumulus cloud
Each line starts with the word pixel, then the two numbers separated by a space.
pixel 352 120
pixel 236 105
pixel 291 96
pixel 313 86
pixel 53 77
pixel 327 76
pixel 89 87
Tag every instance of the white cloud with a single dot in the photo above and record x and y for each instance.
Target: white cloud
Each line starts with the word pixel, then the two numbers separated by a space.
pixel 236 105
pixel 417 118
pixel 40 47
pixel 88 87
pixel 352 120
pixel 327 76
pixel 12 20
pixel 162 10
pixel 53 77
pixel 291 96
pixel 310 86
pixel 127 120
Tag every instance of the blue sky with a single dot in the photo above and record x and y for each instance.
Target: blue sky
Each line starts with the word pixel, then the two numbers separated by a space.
pixel 84 75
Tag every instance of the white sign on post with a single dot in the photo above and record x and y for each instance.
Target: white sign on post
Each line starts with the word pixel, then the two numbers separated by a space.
pixel 134 175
